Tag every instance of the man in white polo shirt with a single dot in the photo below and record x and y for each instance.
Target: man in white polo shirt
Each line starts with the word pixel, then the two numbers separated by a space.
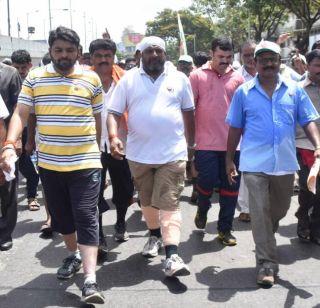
pixel 159 104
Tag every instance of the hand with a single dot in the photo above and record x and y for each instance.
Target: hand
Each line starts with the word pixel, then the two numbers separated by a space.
pixel 18 147
pixel 7 156
pixel 317 153
pixel 190 154
pixel 116 148
pixel 231 172
pixel 282 38
pixel 30 147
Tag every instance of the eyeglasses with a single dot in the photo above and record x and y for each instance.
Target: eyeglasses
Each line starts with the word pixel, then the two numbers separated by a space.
pixel 265 61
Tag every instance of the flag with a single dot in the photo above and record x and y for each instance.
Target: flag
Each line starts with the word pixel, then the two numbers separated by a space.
pixel 183 45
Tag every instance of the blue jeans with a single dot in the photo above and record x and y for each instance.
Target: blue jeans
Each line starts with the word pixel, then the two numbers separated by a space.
pixel 211 169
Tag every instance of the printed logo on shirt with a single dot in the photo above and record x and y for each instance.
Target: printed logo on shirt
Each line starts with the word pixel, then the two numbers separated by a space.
pixel 170 89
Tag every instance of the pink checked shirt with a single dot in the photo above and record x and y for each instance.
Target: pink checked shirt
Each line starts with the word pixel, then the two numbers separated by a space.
pixel 213 94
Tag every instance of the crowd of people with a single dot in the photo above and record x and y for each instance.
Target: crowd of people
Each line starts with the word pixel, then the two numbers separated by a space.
pixel 243 133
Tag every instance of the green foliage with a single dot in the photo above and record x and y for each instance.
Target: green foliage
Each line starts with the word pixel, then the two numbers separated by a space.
pixel 197 28
pixel 246 19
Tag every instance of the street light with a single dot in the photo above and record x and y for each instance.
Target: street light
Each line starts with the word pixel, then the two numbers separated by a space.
pixel 30 32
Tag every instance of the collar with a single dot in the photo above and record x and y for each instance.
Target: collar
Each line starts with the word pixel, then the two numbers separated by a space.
pixel 255 82
pixel 207 66
pixel 77 69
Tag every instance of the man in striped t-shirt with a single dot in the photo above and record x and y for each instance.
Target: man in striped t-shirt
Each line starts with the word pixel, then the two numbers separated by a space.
pixel 67 101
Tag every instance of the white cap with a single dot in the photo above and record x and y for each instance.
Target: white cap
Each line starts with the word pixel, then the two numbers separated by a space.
pixel 149 41
pixel 186 58
pixel 267 46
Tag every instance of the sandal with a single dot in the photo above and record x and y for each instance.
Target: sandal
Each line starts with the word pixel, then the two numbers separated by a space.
pixel 33 204
pixel 46 229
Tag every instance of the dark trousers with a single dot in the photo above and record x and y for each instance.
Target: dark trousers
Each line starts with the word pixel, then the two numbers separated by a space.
pixel 28 170
pixel 8 199
pixel 308 201
pixel 211 169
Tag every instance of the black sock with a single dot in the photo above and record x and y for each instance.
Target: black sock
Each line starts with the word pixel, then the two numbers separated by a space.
pixel 171 250
pixel 155 232
pixel 121 213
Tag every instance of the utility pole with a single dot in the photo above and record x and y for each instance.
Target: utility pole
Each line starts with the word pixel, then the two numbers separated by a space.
pixel 85 31
pixel 9 26
pixel 70 11
pixel 50 24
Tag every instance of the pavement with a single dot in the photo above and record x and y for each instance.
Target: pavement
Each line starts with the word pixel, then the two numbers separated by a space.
pixel 221 276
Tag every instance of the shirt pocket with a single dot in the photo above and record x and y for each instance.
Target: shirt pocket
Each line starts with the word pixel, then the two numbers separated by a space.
pixel 286 113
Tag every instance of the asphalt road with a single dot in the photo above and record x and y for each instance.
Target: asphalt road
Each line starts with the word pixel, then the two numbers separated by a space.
pixel 221 276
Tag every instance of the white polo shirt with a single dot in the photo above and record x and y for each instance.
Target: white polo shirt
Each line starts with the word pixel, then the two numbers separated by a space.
pixel 4 113
pixel 155 121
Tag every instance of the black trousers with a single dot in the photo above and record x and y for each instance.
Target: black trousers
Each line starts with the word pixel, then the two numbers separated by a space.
pixel 8 199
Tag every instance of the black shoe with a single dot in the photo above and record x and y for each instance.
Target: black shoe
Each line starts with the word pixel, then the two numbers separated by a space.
pixel 121 235
pixel 6 245
pixel 315 239
pixel 70 266
pixel 201 219
pixel 227 238
pixel 303 229
pixel 92 294
pixel 102 250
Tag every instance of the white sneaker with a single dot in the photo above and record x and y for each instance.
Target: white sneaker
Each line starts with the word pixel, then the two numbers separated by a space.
pixel 174 266
pixel 152 247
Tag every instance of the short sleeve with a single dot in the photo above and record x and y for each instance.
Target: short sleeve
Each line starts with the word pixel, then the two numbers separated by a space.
pixel 26 96
pixel 118 99
pixel 187 103
pixel 4 113
pixel 97 98
pixel 235 116
pixel 306 112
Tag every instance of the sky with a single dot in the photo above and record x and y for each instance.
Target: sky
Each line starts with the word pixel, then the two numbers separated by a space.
pixel 88 16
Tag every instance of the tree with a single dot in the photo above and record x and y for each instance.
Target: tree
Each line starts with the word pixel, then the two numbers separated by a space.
pixel 198 30
pixel 244 19
pixel 308 12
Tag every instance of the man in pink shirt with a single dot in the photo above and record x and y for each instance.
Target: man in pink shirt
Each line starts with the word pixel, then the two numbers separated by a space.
pixel 213 87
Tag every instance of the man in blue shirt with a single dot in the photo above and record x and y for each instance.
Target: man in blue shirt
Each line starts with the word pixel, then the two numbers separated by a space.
pixel 264 111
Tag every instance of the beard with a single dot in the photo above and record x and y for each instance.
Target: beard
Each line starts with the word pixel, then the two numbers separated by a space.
pixel 64 64
pixel 154 67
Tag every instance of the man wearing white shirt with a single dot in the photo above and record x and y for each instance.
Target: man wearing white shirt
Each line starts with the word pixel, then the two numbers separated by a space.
pixel 102 53
pixel 159 103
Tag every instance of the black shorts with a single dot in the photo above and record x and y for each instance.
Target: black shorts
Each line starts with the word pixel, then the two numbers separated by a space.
pixel 72 199
pixel 121 180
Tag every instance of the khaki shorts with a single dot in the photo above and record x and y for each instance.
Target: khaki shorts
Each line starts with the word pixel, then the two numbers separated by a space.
pixel 159 185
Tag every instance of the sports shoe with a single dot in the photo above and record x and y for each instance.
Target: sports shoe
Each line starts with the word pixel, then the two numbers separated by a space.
pixel 120 234
pixel 174 266
pixel 70 266
pixel 265 277
pixel 201 219
pixel 92 294
pixel 227 238
pixel 152 247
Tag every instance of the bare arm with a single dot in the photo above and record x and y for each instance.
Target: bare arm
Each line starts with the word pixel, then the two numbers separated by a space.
pixel 116 146
pixel 188 119
pixel 17 123
pixel 234 136
pixel 3 132
pixel 312 133
pixel 31 134
pixel 97 117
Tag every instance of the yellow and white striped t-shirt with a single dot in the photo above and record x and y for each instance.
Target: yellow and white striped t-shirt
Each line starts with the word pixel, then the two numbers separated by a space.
pixel 65 108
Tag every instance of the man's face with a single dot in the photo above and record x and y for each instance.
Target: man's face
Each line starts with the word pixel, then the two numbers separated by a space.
pixel 314 70
pixel 247 56
pixel 184 67
pixel 130 65
pixel 268 64
pixel 63 55
pixel 102 60
pixel 221 60
pixel 23 69
pixel 153 59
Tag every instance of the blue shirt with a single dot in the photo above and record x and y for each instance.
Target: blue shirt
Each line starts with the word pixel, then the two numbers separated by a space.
pixel 268 140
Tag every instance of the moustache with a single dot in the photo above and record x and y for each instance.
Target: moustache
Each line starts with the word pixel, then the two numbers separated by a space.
pixel 103 63
pixel 223 63
pixel 268 68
